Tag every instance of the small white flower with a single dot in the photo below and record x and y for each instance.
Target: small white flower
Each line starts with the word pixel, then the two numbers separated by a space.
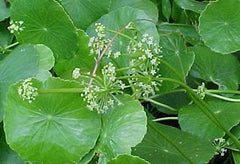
pixel 131 63
pixel 86 90
pixel 157 50
pixel 21 22
pixel 153 61
pixel 154 83
pixel 153 72
pixel 116 54
pixel 100 30
pixel 97 89
pixel 145 73
pixel 112 78
pixel 201 91
pixel 122 85
pixel 223 151
pixel 143 57
pixel 76 73
pixel 111 102
pixel 150 41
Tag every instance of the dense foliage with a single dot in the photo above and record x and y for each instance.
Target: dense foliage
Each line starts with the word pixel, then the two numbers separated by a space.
pixel 119 81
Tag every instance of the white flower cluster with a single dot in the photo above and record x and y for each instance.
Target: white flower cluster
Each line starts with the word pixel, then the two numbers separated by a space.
pixel 98 43
pixel 101 95
pixel 26 91
pixel 16 26
pixel 149 65
pixel 143 88
pixel 201 91
pixel 76 73
pixel 220 143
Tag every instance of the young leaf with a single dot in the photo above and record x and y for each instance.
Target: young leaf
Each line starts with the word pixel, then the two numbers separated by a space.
pixel 129 159
pixel 192 120
pixel 24 62
pixel 166 9
pixel 54 128
pixel 47 23
pixel 170 145
pixel 222 70
pixel 192 5
pixel 122 128
pixel 174 52
pixel 220 27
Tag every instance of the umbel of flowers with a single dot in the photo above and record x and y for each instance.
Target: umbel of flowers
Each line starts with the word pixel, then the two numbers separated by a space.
pixel 101 90
pixel 101 94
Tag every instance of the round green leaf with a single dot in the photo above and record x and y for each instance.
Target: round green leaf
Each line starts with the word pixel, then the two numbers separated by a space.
pixel 45 22
pixel 55 128
pixel 223 70
pixel 192 120
pixel 24 62
pixel 122 128
pixel 220 27
pixel 172 146
pixel 129 159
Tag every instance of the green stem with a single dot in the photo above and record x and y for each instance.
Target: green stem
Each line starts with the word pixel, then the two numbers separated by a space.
pixel 222 97
pixel 162 105
pixel 224 91
pixel 133 66
pixel 61 90
pixel 121 34
pixel 165 119
pixel 12 45
pixel 168 92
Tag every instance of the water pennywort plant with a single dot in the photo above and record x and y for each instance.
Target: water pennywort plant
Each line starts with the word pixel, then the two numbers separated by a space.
pixel 115 81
